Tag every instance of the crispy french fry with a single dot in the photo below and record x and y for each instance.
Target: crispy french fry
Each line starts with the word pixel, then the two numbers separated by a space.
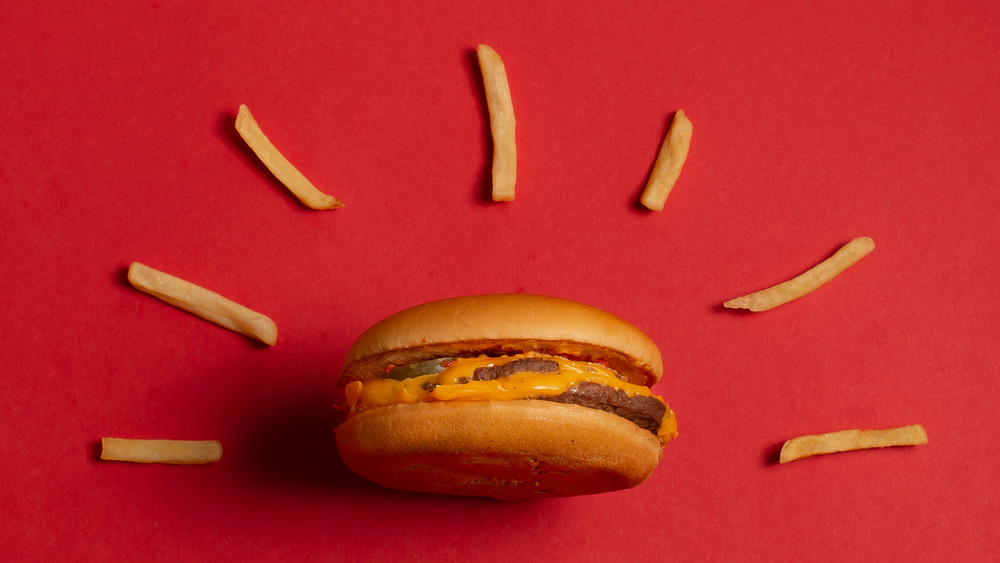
pixel 849 440
pixel 669 161
pixel 282 169
pixel 203 303
pixel 501 109
pixel 805 283
pixel 177 452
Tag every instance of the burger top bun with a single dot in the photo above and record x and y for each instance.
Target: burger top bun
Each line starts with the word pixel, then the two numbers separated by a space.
pixel 503 324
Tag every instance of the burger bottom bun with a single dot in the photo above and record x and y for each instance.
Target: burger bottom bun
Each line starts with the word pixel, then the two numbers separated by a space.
pixel 505 450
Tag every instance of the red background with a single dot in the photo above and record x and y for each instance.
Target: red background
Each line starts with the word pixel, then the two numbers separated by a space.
pixel 814 123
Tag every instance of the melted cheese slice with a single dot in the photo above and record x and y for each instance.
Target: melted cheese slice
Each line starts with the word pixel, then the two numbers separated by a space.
pixel 455 383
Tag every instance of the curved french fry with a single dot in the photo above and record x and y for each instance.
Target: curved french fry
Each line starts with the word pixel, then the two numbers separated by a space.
pixel 805 283
pixel 282 169
pixel 849 440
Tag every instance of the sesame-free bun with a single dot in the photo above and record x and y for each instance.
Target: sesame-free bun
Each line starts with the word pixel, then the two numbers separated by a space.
pixel 506 450
pixel 503 324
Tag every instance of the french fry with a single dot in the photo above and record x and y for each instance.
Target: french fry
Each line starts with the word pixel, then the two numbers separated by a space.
pixel 203 303
pixel 282 169
pixel 849 440
pixel 501 109
pixel 669 161
pixel 807 282
pixel 177 452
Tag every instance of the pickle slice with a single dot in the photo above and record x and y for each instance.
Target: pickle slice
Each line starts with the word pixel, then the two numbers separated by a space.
pixel 417 369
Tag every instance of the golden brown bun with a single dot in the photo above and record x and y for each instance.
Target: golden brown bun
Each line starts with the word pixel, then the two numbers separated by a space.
pixel 503 324
pixel 501 449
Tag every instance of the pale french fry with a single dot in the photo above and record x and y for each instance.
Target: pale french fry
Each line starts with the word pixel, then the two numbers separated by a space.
pixel 805 283
pixel 203 303
pixel 283 170
pixel 177 452
pixel 849 440
pixel 669 161
pixel 501 109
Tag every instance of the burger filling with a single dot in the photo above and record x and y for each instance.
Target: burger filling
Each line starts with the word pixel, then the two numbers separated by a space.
pixel 522 376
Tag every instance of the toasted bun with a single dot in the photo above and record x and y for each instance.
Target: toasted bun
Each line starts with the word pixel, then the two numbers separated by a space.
pixel 501 449
pixel 503 324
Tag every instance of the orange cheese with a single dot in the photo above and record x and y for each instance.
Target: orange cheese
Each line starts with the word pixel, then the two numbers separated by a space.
pixel 455 383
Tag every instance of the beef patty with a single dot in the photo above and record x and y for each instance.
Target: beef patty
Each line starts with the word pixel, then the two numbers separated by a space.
pixel 646 412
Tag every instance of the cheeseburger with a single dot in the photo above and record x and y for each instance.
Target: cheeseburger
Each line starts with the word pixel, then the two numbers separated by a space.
pixel 506 396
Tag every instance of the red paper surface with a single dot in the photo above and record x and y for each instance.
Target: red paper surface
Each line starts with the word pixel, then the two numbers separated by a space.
pixel 814 123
